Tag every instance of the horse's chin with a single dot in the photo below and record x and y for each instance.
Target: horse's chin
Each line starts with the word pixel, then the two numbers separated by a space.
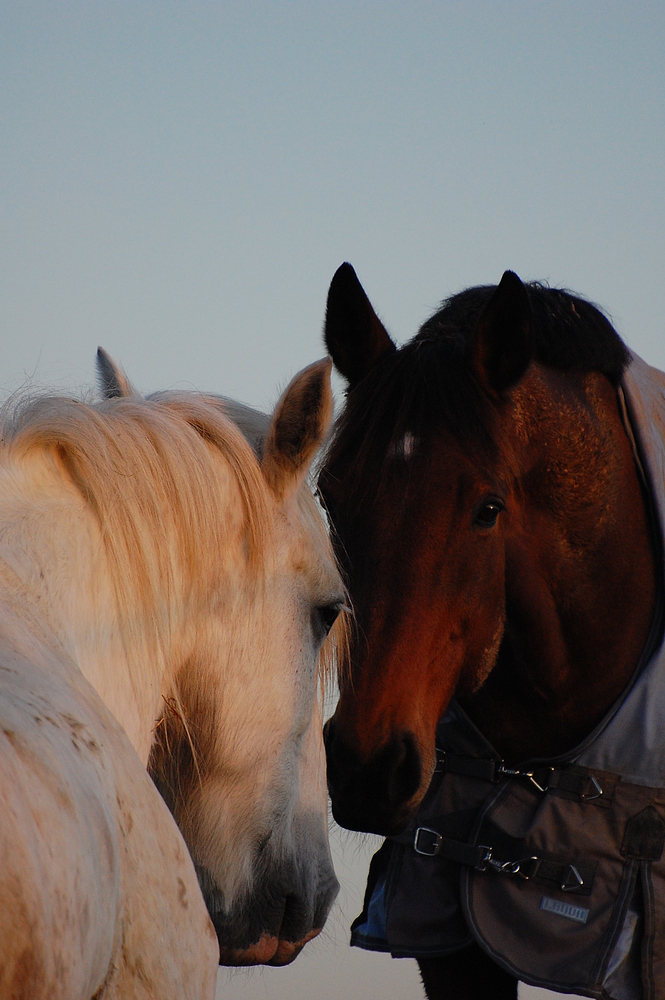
pixel 383 822
pixel 268 950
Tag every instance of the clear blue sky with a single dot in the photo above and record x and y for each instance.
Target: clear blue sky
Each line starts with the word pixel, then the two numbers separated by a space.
pixel 178 182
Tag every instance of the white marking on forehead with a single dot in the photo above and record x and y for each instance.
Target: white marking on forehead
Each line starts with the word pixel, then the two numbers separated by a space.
pixel 404 447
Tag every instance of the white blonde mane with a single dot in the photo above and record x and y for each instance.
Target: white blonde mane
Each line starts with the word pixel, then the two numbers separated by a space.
pixel 253 424
pixel 150 472
pixel 144 467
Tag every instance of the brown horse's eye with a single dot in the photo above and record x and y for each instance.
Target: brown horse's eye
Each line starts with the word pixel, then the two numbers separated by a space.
pixel 488 514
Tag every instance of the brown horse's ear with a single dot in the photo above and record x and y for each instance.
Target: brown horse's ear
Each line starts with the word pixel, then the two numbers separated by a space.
pixel 502 345
pixel 113 383
pixel 355 337
pixel 298 428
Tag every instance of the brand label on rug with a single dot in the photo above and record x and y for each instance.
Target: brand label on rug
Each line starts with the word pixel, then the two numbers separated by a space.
pixel 567 910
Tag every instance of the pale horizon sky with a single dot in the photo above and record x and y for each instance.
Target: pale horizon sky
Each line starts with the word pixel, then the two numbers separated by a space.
pixel 179 182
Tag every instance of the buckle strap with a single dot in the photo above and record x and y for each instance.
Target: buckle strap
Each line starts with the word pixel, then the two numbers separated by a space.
pixel 471 767
pixel 431 844
pixel 489 770
pixel 573 782
pixel 568 876
pixel 584 785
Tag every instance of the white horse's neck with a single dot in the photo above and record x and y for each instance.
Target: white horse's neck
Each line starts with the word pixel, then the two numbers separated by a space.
pixel 54 577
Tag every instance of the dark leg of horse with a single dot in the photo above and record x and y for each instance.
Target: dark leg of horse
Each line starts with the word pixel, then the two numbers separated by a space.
pixel 468 975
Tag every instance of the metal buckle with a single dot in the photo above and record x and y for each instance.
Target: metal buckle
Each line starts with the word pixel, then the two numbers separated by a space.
pixel 526 868
pixel 486 859
pixel 430 850
pixel 567 886
pixel 440 759
pixel 509 772
pixel 596 795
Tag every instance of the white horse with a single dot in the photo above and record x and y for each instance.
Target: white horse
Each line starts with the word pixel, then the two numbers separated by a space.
pixel 155 570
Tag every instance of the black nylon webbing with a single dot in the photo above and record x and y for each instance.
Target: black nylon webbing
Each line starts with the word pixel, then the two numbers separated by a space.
pixel 432 844
pixel 569 876
pixel 471 767
pixel 570 782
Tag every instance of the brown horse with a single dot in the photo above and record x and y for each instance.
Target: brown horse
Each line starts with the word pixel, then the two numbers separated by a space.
pixel 497 545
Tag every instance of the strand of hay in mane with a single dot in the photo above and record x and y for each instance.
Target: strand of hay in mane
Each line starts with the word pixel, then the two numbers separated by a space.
pixel 176 708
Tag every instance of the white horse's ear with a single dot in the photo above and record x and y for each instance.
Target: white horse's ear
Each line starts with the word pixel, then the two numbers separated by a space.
pixel 113 383
pixel 298 428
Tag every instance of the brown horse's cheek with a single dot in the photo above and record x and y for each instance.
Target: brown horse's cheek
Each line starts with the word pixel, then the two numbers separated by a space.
pixel 487 659
pixel 483 650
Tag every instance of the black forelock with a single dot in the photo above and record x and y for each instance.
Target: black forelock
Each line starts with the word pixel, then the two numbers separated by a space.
pixel 569 333
pixel 429 383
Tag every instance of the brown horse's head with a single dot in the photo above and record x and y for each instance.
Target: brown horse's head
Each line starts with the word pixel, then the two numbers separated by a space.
pixel 431 479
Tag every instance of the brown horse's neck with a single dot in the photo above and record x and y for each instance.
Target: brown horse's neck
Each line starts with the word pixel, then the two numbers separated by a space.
pixel 580 574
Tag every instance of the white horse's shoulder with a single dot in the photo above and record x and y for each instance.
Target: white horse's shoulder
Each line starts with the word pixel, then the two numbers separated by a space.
pixel 169 946
pixel 92 865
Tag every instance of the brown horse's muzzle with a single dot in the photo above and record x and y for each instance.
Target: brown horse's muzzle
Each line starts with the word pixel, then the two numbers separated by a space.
pixel 378 795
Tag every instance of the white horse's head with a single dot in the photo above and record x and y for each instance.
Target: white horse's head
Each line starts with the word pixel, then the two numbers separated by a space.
pixel 187 569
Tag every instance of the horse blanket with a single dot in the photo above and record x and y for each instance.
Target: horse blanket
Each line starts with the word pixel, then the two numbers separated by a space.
pixel 554 867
